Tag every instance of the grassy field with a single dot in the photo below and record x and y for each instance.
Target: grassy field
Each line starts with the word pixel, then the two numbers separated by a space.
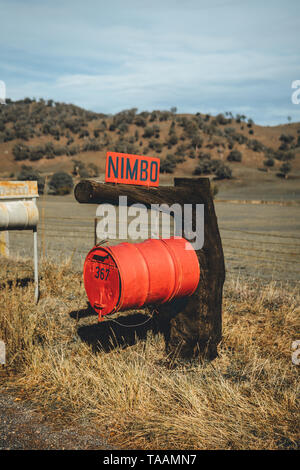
pixel 76 370
pixel 79 371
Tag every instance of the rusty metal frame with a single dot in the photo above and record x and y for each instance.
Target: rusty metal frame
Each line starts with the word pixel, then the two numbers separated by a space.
pixel 21 191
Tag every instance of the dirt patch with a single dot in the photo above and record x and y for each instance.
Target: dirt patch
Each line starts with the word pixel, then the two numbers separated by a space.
pixel 22 427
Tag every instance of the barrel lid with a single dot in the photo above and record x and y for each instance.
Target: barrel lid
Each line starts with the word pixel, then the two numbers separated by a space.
pixel 101 281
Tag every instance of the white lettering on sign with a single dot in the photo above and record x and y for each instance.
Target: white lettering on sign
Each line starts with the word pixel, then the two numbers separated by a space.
pixel 18 189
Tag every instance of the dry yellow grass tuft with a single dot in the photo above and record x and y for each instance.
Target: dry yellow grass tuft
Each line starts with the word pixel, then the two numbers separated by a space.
pixel 245 399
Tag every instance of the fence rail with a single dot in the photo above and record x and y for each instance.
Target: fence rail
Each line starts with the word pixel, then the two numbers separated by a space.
pixel 252 248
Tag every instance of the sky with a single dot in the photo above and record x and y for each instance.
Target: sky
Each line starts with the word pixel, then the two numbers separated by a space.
pixel 201 56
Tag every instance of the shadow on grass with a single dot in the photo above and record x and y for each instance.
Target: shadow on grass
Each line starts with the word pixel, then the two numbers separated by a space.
pixel 83 313
pixel 111 334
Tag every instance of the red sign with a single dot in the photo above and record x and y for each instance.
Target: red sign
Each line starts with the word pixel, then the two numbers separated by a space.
pixel 131 169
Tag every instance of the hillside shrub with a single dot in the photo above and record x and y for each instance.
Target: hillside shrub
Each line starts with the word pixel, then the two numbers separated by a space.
pixel 235 156
pixel 269 162
pixel 61 183
pixel 27 173
pixel 223 172
pixel 284 169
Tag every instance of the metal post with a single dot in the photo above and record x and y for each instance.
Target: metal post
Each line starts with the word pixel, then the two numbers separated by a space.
pixel 36 267
pixel 95 231
pixel 18 211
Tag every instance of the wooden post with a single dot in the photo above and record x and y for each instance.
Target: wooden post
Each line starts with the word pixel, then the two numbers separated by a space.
pixel 192 326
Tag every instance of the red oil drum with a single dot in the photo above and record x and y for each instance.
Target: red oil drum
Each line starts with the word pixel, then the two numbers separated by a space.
pixel 128 275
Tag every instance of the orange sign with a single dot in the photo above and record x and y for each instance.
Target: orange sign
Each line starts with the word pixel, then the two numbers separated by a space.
pixel 131 169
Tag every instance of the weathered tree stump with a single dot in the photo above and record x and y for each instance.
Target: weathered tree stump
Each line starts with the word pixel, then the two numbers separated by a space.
pixel 192 326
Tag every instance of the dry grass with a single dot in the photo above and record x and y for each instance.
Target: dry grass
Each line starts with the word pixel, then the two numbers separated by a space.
pixel 245 399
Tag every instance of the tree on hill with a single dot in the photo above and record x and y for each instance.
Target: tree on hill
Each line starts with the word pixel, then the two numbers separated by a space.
pixel 196 141
pixel 168 165
pixel 221 119
pixel 140 121
pixel 255 145
pixel 150 131
pixel 284 156
pixel 286 138
pixel 61 183
pixel 223 172
pixel 285 169
pixel 20 152
pixel 239 118
pixel 27 173
pixel 269 162
pixel 216 167
pixel 172 140
pixel 286 141
pixel 235 156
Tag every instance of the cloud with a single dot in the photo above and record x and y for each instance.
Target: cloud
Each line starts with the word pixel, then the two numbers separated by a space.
pixel 198 56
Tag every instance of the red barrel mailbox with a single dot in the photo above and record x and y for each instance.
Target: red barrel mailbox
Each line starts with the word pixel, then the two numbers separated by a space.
pixel 127 275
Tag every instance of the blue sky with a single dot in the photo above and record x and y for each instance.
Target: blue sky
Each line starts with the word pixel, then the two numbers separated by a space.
pixel 200 56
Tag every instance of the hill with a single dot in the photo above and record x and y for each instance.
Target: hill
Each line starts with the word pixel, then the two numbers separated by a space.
pixel 51 136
